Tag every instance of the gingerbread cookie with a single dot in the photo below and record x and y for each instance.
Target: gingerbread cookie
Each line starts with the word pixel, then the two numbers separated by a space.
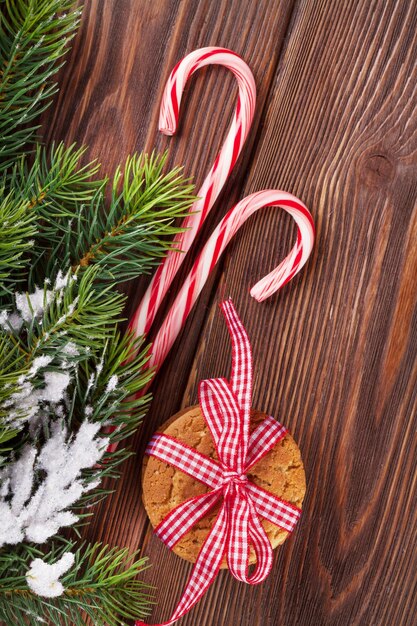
pixel 280 471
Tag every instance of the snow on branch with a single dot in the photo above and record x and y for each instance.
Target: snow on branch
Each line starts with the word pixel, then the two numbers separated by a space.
pixel 43 578
pixel 38 489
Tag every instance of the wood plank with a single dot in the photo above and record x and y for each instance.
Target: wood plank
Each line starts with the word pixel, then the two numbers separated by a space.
pixel 335 350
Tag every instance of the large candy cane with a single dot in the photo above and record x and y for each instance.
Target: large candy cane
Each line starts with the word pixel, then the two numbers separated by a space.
pixel 223 165
pixel 214 247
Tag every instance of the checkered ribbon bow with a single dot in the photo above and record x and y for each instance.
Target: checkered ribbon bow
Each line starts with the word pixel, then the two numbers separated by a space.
pixel 226 409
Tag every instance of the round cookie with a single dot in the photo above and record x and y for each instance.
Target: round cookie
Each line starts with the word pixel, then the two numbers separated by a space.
pixel 280 472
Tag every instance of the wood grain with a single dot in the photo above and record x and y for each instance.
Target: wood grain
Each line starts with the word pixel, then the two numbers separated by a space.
pixel 335 349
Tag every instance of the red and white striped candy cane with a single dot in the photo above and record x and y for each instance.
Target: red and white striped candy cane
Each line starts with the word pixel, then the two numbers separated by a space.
pixel 214 247
pixel 223 165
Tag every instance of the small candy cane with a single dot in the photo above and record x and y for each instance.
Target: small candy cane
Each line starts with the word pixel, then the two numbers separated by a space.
pixel 214 247
pixel 223 165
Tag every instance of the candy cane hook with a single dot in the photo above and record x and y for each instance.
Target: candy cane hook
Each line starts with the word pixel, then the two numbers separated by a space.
pixel 214 247
pixel 219 172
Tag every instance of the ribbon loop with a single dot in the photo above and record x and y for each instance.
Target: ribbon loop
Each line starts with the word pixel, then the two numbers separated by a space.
pixel 226 408
pixel 221 410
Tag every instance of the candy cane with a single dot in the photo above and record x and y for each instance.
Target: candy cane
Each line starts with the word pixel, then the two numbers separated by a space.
pixel 223 165
pixel 214 247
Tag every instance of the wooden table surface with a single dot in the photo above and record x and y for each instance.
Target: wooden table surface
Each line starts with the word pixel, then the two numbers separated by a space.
pixel 335 349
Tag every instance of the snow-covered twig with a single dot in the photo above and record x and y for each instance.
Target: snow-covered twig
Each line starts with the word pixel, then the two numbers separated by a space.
pixel 38 489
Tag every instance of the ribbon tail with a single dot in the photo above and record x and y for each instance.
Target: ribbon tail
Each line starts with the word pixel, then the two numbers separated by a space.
pixel 261 545
pixel 241 376
pixel 244 526
pixel 205 569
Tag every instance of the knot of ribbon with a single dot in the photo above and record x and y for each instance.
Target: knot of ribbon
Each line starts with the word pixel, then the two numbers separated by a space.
pixel 232 477
pixel 226 409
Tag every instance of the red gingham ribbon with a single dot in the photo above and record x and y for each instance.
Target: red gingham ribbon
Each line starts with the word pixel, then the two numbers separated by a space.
pixel 226 409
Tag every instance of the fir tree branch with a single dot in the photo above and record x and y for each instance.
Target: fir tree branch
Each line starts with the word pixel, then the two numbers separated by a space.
pixel 16 238
pixel 12 367
pixel 33 38
pixel 77 227
pixel 81 314
pixel 132 236
pixel 55 183
pixel 102 584
pixel 63 325
pixel 75 344
pixel 113 397
pixel 127 237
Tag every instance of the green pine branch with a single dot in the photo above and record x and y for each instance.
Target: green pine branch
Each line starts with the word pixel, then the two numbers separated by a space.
pixel 86 320
pixel 12 367
pixel 53 182
pixel 77 225
pixel 34 36
pixel 123 407
pixel 136 231
pixel 16 239
pixel 82 314
pixel 125 236
pixel 102 585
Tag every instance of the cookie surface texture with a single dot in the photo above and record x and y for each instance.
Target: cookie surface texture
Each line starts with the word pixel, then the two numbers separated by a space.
pixel 280 472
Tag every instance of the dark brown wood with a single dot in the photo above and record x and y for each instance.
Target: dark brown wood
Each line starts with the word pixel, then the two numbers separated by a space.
pixel 335 349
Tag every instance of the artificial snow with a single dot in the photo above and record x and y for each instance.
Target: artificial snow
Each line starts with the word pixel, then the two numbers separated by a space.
pixel 25 404
pixel 112 384
pixel 34 506
pixel 90 383
pixel 33 305
pixel 15 321
pixel 43 578
pixel 4 316
pixel 56 384
pixel 71 349
pixel 38 363
pixel 22 404
pixel 10 321
pixel 61 280
pixel 70 310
